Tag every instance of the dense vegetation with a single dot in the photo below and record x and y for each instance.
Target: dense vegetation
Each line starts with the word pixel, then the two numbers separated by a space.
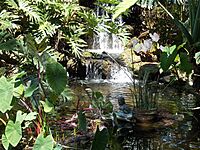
pixel 39 37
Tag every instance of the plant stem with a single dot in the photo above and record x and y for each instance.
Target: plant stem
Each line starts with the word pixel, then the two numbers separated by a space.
pixel 3 121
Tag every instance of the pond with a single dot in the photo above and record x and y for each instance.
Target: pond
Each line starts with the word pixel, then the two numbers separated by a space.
pixel 182 135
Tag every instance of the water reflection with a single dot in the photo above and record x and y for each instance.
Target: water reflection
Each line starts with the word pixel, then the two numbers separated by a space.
pixel 183 135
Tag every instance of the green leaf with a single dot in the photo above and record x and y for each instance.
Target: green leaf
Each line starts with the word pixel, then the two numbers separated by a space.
pixel 42 45
pixel 185 65
pixel 31 116
pixel 122 7
pixel 82 124
pixel 5 142
pixel 97 100
pixel 53 97
pixel 31 45
pixel 20 117
pixel 56 76
pixel 29 91
pixel 184 30
pixel 18 91
pixel 167 57
pixel 108 106
pixel 43 143
pixel 169 50
pixel 197 57
pixel 8 45
pixel 67 94
pixel 13 132
pixel 6 90
pixel 100 139
pixel 48 107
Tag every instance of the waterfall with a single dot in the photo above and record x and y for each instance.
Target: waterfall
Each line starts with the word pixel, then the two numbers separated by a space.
pixel 105 41
pixel 110 71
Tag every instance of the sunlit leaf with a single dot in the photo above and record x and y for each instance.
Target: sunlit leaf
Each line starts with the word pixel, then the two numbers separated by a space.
pixel 48 107
pixel 167 57
pixel 29 91
pixel 5 142
pixel 67 94
pixel 197 57
pixel 13 132
pixel 20 117
pixel 43 143
pixel 123 6
pixel 6 90
pixel 31 116
pixel 18 91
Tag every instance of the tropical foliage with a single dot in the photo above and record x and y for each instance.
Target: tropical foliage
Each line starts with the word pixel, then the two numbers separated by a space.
pixel 39 37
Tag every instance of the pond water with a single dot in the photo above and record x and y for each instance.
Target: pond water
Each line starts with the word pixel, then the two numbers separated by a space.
pixel 182 135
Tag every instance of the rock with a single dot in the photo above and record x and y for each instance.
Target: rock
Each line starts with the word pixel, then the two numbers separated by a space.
pixel 129 57
pixel 150 70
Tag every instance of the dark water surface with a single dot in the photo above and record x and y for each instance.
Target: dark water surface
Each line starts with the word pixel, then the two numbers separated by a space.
pixel 182 135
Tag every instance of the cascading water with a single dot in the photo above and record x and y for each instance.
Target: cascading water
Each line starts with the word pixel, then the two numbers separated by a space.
pixel 111 44
pixel 105 41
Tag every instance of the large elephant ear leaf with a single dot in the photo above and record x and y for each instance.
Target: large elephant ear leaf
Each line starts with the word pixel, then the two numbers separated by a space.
pixel 56 76
pixel 13 132
pixel 6 94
